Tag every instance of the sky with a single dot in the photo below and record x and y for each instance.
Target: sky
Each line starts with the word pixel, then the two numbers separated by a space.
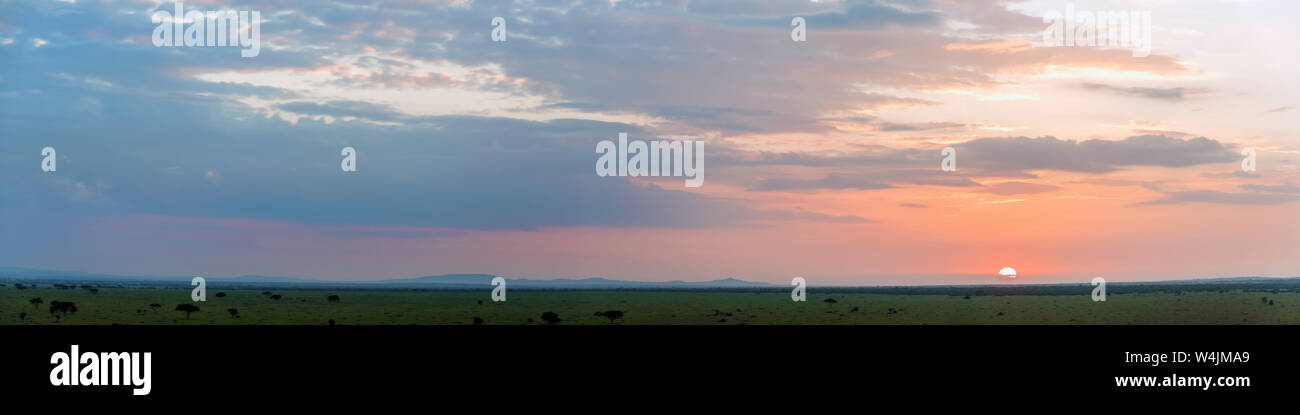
pixel 823 156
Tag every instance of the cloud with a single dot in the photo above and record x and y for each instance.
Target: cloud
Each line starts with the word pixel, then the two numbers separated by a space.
pixel 1017 188
pixel 341 109
pixel 1289 188
pixel 1214 196
pixel 828 183
pixel 453 172
pixel 889 126
pixel 912 205
pixel 1162 94
pixel 1090 156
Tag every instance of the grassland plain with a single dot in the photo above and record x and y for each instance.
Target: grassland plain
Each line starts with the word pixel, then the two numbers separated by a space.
pixel 386 307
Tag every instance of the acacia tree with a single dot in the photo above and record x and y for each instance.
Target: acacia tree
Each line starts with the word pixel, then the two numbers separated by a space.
pixel 62 308
pixel 333 298
pixel 233 312
pixel 187 309
pixel 36 303
pixel 612 315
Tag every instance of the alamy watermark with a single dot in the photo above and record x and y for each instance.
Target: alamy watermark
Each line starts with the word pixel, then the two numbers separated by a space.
pixel 200 292
pixel 1248 163
pixel 102 369
pixel 1099 289
pixel 49 160
pixel 195 28
pixel 800 292
pixel 1112 28
pixel 349 163
pixel 638 158
pixel 498 29
pixel 498 290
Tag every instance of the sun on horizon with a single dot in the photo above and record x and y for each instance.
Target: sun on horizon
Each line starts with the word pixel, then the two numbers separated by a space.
pixel 1007 272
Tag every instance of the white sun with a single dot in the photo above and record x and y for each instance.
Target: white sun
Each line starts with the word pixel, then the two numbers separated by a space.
pixel 1008 272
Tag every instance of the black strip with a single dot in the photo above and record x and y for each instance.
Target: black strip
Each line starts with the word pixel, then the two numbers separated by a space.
pixel 402 363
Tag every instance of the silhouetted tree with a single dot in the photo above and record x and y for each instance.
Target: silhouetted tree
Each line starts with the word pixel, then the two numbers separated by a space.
pixel 22 316
pixel 854 310
pixel 333 298
pixel 62 308
pixel 478 321
pixel 266 293
pixel 94 291
pixel 221 295
pixel 830 301
pixel 612 315
pixel 276 297
pixel 187 309
pixel 233 312
pixel 550 317
pixel 331 322
pixel 480 302
pixel 20 286
pixel 155 307
pixel 36 303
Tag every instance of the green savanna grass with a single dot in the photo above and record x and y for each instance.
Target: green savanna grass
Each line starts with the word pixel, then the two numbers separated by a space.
pixel 377 307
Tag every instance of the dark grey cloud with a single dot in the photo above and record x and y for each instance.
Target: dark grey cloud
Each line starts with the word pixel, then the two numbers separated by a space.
pixel 1163 94
pixel 999 157
pixel 340 109
pixel 827 183
pixel 1289 188
pixel 889 126
pixel 1090 156
pixel 1214 196
pixel 866 179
